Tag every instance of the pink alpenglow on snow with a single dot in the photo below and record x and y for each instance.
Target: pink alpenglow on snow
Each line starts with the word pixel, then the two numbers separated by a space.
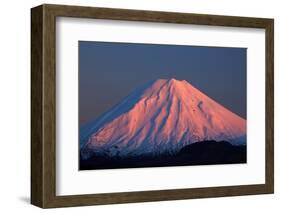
pixel 161 116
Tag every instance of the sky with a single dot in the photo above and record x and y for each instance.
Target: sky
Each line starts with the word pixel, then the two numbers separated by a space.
pixel 109 71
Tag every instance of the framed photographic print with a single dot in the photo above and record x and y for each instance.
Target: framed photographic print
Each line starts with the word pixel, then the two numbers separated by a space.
pixel 136 106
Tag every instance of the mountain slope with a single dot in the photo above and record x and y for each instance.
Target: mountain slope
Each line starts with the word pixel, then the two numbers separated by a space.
pixel 161 116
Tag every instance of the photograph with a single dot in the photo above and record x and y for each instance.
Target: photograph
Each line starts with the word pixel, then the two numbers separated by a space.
pixel 158 105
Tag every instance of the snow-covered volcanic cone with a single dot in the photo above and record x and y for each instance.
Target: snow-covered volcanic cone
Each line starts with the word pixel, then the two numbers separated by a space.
pixel 159 117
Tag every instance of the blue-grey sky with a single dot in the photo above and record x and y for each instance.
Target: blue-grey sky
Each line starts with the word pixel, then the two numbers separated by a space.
pixel 109 71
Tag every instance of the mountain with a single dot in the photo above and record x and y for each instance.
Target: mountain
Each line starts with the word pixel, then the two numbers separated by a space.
pixel 159 117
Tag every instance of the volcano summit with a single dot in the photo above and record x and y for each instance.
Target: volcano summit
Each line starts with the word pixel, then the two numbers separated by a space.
pixel 160 118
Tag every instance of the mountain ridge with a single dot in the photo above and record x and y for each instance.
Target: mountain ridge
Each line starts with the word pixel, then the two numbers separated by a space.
pixel 161 115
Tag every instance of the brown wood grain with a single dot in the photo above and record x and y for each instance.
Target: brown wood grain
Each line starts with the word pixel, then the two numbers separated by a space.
pixel 269 102
pixel 43 105
pixel 36 106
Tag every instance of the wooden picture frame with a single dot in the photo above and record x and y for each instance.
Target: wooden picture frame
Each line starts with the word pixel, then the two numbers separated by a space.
pixel 43 105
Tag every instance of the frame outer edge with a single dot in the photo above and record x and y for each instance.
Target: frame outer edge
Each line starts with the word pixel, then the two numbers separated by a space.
pixel 43 187
pixel 270 106
pixel 156 16
pixel 49 107
pixel 36 106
